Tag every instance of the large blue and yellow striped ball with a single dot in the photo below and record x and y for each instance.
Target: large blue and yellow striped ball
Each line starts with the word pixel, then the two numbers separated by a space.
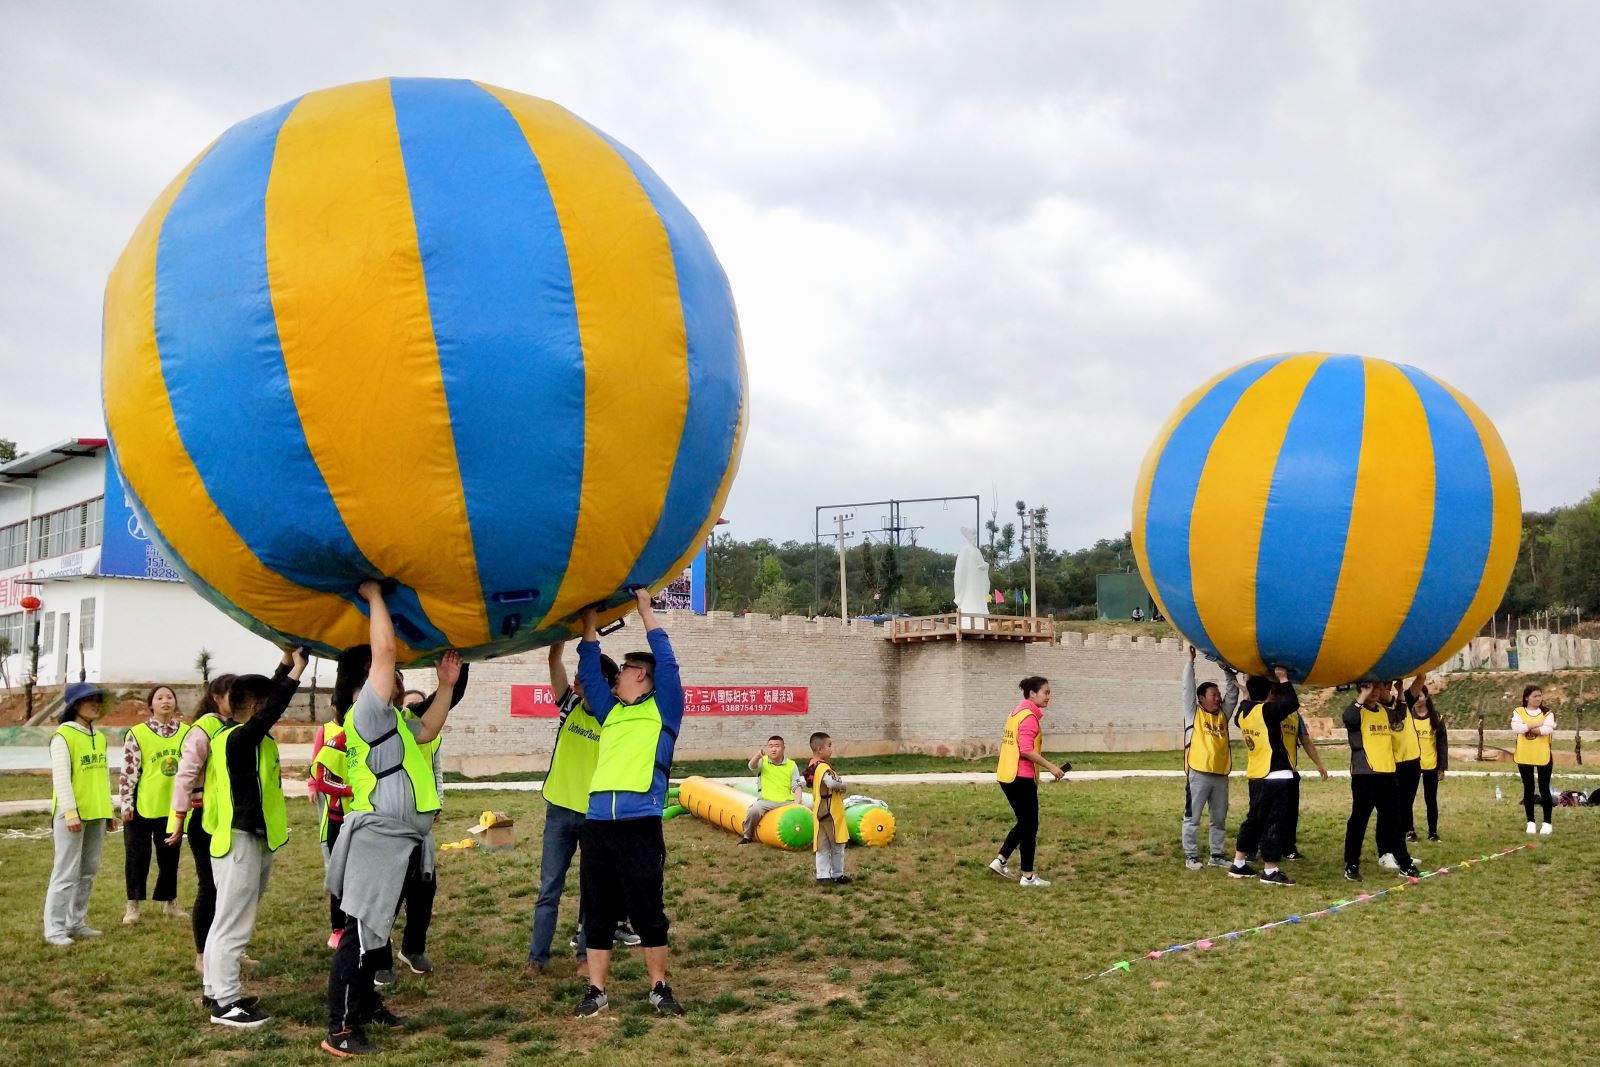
pixel 1343 516
pixel 432 332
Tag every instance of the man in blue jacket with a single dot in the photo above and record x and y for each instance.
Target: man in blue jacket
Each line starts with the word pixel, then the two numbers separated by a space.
pixel 624 856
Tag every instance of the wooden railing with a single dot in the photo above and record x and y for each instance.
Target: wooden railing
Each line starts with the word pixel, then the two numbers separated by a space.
pixel 959 626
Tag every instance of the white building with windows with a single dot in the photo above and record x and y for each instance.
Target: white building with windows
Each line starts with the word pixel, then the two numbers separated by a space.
pixel 111 609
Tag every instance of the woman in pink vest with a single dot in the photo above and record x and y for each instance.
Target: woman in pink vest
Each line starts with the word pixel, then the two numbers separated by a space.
pixel 1018 774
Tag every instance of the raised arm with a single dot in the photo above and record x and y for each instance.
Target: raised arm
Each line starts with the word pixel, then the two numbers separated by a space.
pixel 1187 696
pixel 597 694
pixel 380 676
pixel 558 670
pixel 429 724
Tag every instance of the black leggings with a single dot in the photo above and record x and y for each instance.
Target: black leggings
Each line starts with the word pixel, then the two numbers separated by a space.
pixel 1430 799
pixel 1545 799
pixel 205 890
pixel 1374 794
pixel 140 837
pixel 1407 776
pixel 1023 793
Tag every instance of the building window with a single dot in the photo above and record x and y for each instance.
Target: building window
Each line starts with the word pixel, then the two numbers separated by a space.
pixel 13 545
pixel 47 633
pixel 68 530
pixel 86 623
pixel 11 627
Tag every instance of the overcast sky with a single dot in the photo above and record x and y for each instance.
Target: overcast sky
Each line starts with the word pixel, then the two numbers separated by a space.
pixel 976 248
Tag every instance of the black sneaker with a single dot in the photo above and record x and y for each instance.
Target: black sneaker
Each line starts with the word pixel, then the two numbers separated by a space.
pixel 843 879
pixel 592 1004
pixel 246 1002
pixel 1411 871
pixel 1411 836
pixel 625 936
pixel 746 841
pixel 662 1000
pixel 384 978
pixel 1276 877
pixel 1352 872
pixel 347 1043
pixel 418 962
pixel 238 1016
pixel 1241 870
pixel 1433 837
pixel 382 1016
pixel 1294 854
pixel 1220 861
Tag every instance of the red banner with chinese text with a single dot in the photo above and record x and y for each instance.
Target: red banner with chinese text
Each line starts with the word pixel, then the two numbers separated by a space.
pixel 539 702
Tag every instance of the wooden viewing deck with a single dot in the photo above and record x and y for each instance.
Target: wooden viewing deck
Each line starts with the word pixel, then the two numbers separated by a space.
pixel 963 627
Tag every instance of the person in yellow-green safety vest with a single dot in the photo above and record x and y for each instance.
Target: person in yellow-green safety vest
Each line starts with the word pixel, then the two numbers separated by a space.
pixel 779 781
pixel 387 821
pixel 80 814
pixel 566 801
pixel 188 799
pixel 149 765
pixel 328 791
pixel 624 854
pixel 248 821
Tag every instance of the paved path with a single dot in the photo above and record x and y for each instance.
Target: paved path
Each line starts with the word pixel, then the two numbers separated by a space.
pixel 296 787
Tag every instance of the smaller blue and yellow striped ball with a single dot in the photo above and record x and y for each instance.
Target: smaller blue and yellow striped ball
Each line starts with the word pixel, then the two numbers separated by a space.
pixel 1343 516
pixel 427 331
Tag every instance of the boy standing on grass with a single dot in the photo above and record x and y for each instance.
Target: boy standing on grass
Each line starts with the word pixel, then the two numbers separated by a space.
pixel 780 783
pixel 827 809
pixel 247 820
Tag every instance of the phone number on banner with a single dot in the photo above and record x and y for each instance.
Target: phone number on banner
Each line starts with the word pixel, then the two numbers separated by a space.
pixel 539 702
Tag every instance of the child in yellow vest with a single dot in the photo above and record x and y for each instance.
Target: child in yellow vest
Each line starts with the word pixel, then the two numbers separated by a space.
pixel 1533 724
pixel 779 782
pixel 827 806
pixel 80 813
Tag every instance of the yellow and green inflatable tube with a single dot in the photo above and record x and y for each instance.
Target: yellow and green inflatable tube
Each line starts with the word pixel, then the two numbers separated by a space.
pixel 788 827
pixel 870 821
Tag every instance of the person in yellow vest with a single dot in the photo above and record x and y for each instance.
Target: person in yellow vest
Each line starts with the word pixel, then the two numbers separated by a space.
pixel 621 871
pixel 1369 728
pixel 1532 724
pixel 325 781
pixel 1207 761
pixel 1304 741
pixel 779 781
pixel 566 800
pixel 80 814
pixel 1433 747
pixel 829 830
pixel 248 821
pixel 188 795
pixel 149 765
pixel 1407 768
pixel 387 821
pixel 1017 771
pixel 1267 723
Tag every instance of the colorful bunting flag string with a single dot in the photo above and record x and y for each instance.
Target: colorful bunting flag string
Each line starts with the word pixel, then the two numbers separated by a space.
pixel 1332 909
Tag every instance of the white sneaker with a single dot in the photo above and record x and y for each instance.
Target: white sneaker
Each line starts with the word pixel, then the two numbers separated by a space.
pixel 172 911
pixel 1033 880
pixel 1533 828
pixel 130 915
pixel 1546 830
pixel 59 941
pixel 1000 867
pixel 1388 862
pixel 1193 863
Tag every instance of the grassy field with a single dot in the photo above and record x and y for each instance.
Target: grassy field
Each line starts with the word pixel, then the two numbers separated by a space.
pixel 927 958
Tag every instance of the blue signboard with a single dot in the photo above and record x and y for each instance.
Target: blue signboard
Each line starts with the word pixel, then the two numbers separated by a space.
pixel 126 551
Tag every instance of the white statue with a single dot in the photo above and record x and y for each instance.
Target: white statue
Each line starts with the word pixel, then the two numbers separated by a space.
pixel 972 576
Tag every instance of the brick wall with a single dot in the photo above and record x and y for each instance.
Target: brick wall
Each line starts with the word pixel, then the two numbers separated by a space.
pixel 1109 693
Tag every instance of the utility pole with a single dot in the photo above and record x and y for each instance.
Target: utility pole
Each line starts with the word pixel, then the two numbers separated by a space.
pixel 1029 520
pixel 844 592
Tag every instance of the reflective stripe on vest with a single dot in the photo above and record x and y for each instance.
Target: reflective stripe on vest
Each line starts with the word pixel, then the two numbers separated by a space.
pixel 1209 751
pixel 1011 747
pixel 158 766
pixel 777 780
pixel 629 740
pixel 835 803
pixel 1406 747
pixel 218 813
pixel 1427 743
pixel 91 781
pixel 415 763
pixel 1533 750
pixel 1377 740
pixel 572 760
pixel 1258 753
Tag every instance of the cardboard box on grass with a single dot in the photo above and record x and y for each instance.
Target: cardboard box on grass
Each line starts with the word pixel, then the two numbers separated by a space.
pixel 495 830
